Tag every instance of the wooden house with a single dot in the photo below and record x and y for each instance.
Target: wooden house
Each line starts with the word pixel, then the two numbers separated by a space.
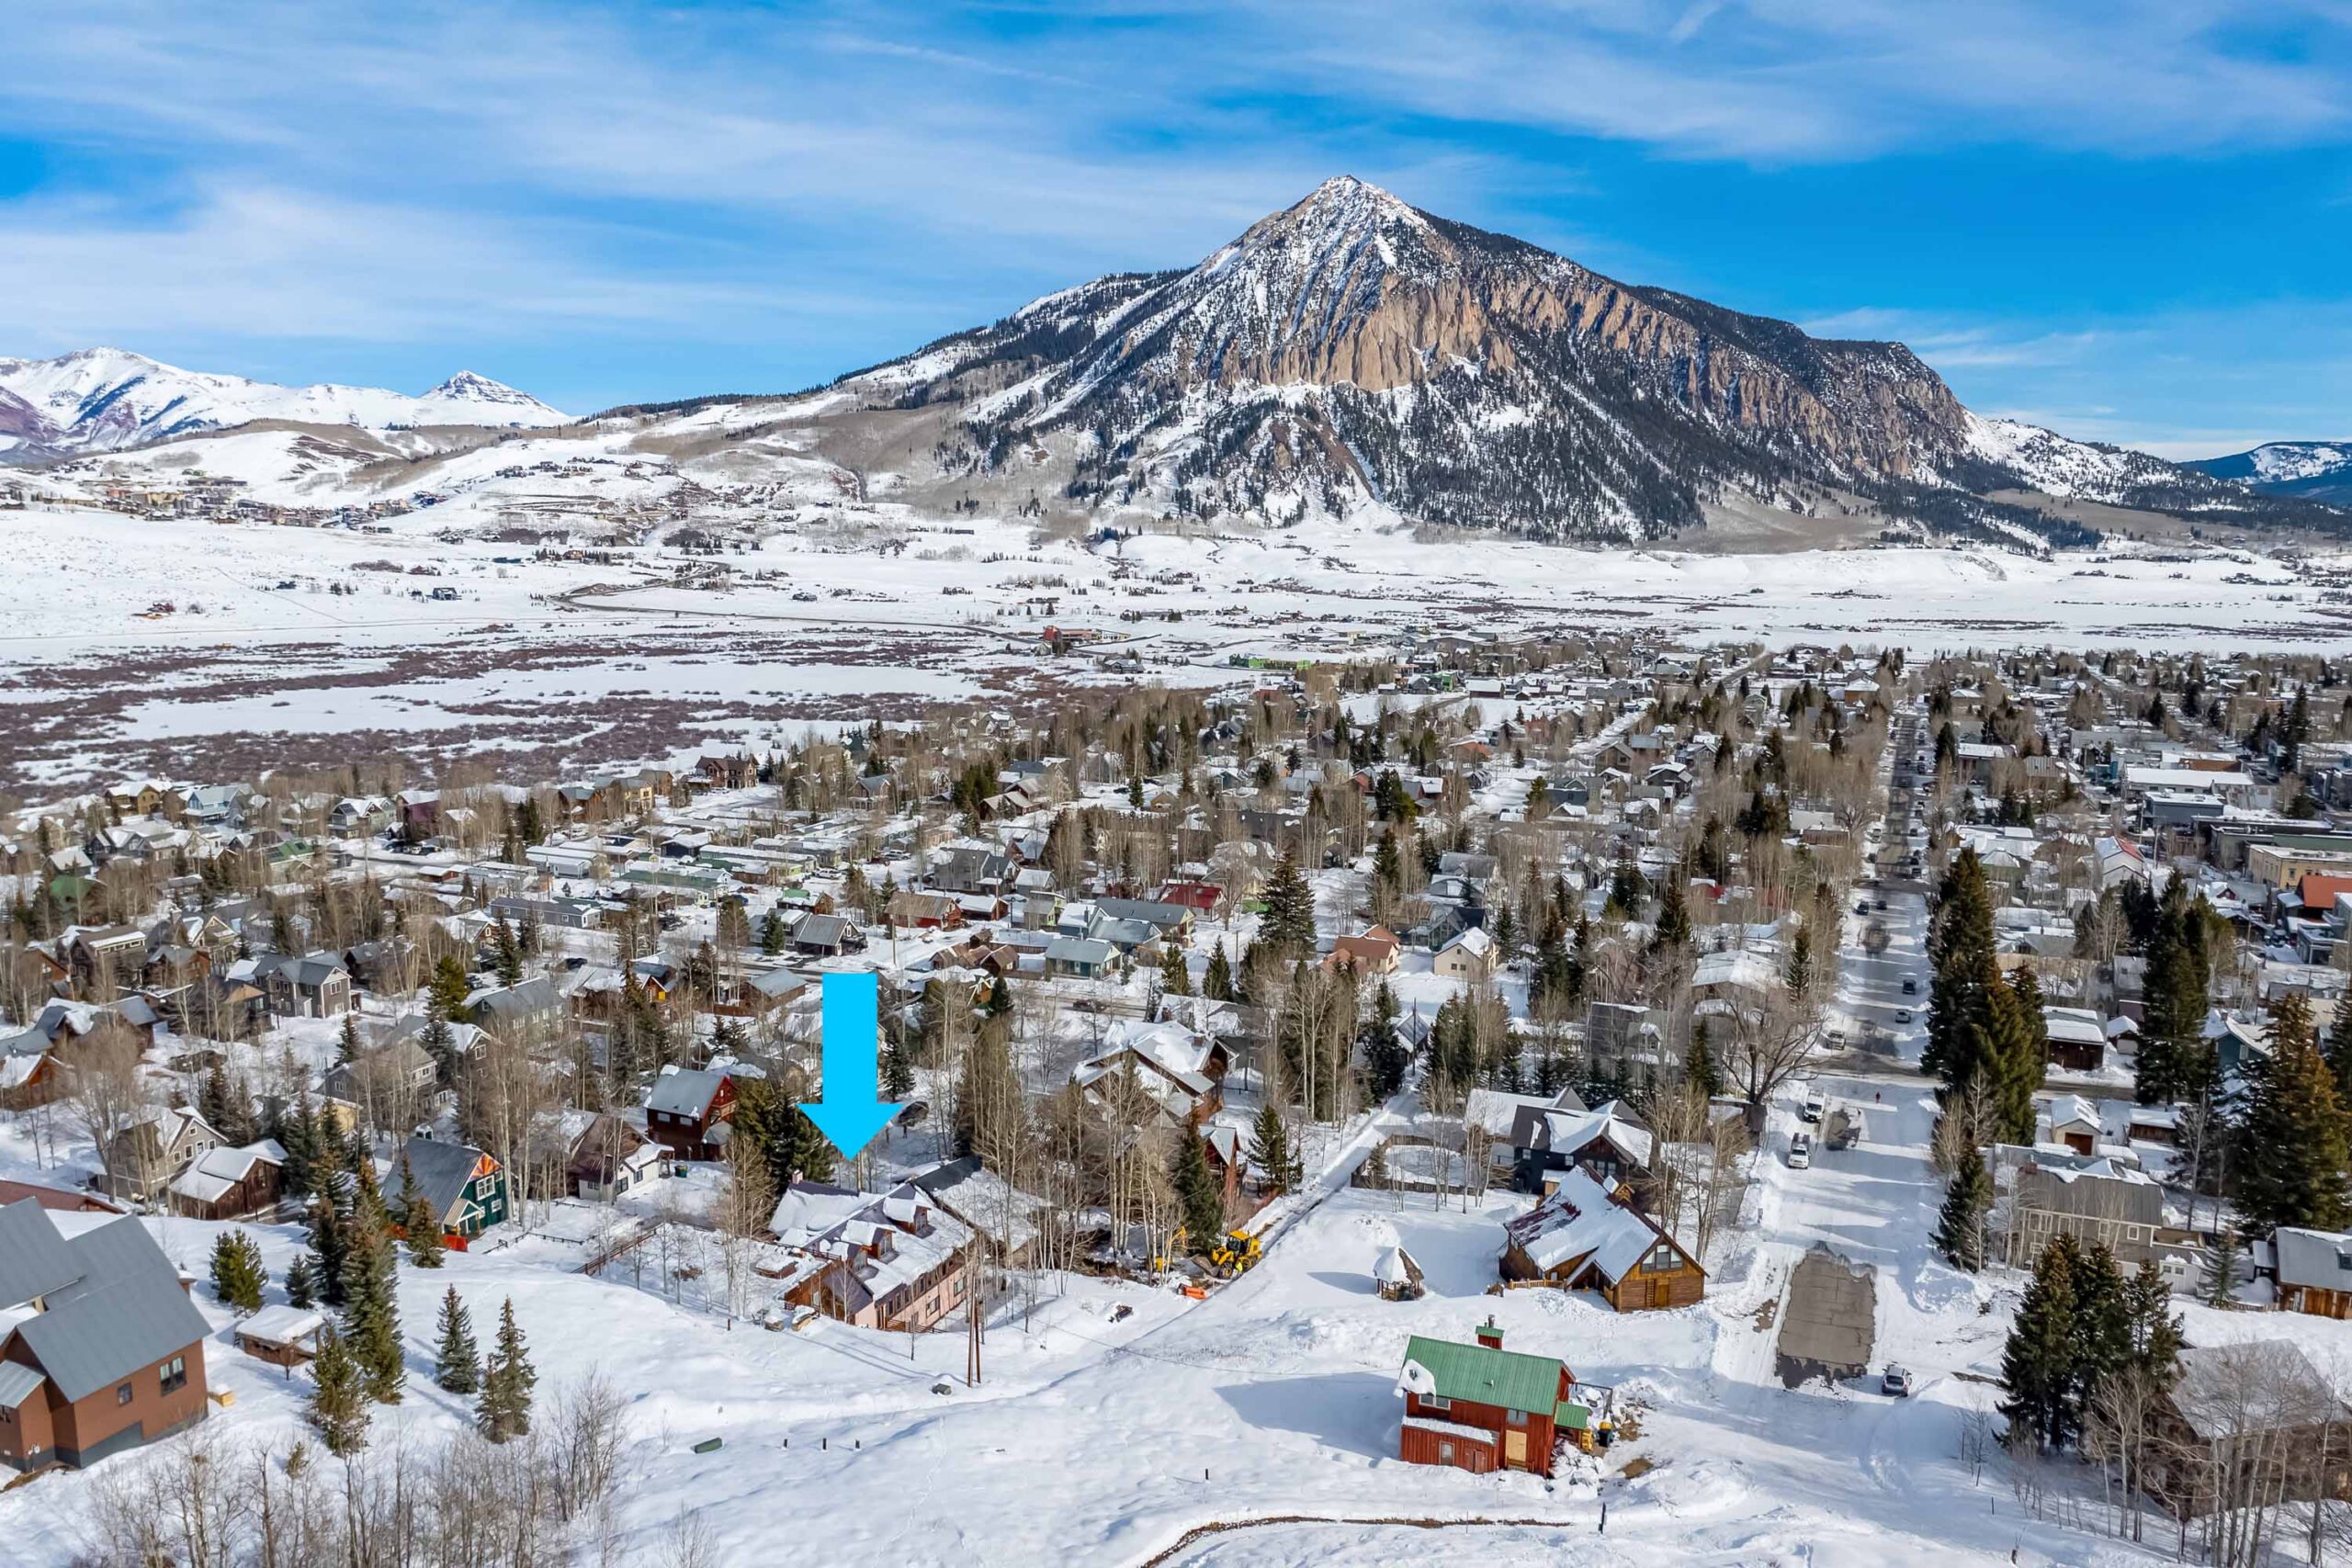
pixel 1608 1141
pixel 28 1079
pixel 1480 1407
pixel 2097 1201
pixel 688 1110
pixel 1164 1069
pixel 1582 1237
pixel 2251 1419
pixel 101 1349
pixel 2315 1271
pixel 1468 954
pixel 146 1156
pixel 606 1157
pixel 465 1187
pixel 1372 954
pixel 227 1184
pixel 897 1261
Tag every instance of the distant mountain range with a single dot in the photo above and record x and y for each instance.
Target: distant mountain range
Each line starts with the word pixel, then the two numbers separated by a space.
pixel 1354 351
pixel 2313 470
pixel 1349 356
pixel 102 400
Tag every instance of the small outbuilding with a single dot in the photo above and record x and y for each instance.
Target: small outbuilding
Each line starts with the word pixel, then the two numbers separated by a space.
pixel 282 1336
pixel 1397 1277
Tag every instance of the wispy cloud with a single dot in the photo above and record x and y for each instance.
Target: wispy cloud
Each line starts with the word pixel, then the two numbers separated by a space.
pixel 831 181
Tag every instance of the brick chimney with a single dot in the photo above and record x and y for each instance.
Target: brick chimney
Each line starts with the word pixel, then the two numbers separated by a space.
pixel 1490 1335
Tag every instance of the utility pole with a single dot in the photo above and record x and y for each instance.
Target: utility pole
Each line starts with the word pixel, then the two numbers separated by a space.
pixel 971 1325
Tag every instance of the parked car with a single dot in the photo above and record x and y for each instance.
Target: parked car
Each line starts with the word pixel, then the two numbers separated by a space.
pixel 1895 1383
pixel 1801 1152
pixel 1902 1015
pixel 1814 1105
pixel 1911 987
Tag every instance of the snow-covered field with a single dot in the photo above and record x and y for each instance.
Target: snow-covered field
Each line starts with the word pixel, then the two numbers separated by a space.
pixel 1272 1400
pixel 124 639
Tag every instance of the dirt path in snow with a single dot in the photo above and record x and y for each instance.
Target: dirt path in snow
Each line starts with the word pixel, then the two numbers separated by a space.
pixel 1198 1533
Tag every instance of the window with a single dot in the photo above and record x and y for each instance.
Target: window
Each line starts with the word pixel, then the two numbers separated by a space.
pixel 1445 1453
pixel 1662 1260
pixel 1515 1417
pixel 174 1376
pixel 1436 1402
pixel 122 1394
pixel 486 1188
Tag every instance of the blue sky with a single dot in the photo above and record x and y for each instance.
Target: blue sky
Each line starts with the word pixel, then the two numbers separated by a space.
pixel 2129 221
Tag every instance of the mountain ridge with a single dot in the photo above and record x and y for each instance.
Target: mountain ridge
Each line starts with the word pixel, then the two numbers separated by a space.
pixel 2311 470
pixel 104 398
pixel 1353 351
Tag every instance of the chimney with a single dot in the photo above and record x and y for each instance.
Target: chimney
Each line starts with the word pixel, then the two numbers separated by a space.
pixel 1490 1335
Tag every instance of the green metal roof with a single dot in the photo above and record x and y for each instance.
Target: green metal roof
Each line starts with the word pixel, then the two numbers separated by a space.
pixel 1571 1416
pixel 1507 1378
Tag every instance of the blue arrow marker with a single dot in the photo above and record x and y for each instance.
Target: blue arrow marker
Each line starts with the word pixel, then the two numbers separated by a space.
pixel 852 1111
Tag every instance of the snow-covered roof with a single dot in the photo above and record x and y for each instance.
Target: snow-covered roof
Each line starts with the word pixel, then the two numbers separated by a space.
pixel 281 1324
pixel 1568 1133
pixel 1579 1219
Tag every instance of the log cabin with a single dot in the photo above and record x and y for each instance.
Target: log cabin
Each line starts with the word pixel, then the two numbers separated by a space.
pixel 1581 1236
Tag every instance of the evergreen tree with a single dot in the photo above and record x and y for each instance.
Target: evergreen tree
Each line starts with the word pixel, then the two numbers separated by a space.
pixel 347 1042
pixel 328 1244
pixel 773 935
pixel 1961 954
pixel 2175 1061
pixel 1288 928
pixel 898 1073
pixel 238 1275
pixel 1387 869
pixel 2297 729
pixel 338 1406
pixel 2338 1053
pixel 1673 928
pixel 1699 1063
pixel 303 1280
pixel 213 1098
pixel 1272 1151
pixel 1799 974
pixel 2291 1169
pixel 456 1362
pixel 508 961
pixel 419 1224
pixel 503 1410
pixel 438 1040
pixel 2008 1062
pixel 2152 1333
pixel 1385 1056
pixel 1960 1228
pixel 370 1307
pixel 1175 974
pixel 450 986
pixel 1197 1191
pixel 2102 1331
pixel 2220 1287
pixel 2038 1367
pixel 296 1129
pixel 1217 984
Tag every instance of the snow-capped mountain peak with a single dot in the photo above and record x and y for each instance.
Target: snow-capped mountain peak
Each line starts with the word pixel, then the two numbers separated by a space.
pixel 106 399
pixel 2311 470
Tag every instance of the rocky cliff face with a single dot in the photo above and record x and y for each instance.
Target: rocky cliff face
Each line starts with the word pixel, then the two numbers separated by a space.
pixel 1352 352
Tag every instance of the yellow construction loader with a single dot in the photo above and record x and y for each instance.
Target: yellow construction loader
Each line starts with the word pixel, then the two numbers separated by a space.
pixel 1238 1253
